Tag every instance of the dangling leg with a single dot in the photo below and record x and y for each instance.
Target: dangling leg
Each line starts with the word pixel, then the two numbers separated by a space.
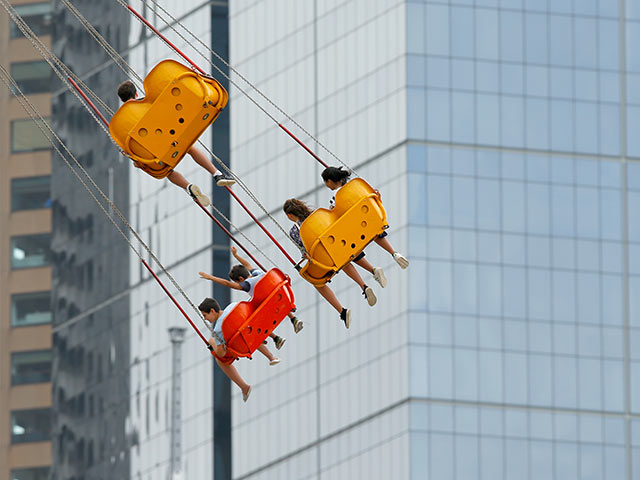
pixel 351 271
pixel 297 324
pixel 193 190
pixel 202 160
pixel 277 340
pixel 330 296
pixel 231 372
pixel 265 351
pixel 377 272
pixel 397 256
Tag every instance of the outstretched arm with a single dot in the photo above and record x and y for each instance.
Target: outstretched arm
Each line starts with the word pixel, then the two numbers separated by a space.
pixel 220 281
pixel 243 261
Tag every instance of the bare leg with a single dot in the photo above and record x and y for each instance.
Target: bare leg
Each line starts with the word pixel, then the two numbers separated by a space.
pixel 265 351
pixel 177 179
pixel 330 297
pixel 384 243
pixel 351 271
pixel 364 263
pixel 202 160
pixel 230 371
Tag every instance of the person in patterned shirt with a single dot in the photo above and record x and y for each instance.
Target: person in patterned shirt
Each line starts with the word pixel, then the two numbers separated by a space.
pixel 297 211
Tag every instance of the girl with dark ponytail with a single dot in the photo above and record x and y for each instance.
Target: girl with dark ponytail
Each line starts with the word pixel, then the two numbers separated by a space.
pixel 334 178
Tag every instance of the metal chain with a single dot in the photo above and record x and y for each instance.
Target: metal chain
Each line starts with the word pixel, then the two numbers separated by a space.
pixel 244 79
pixel 32 111
pixel 54 62
pixel 112 52
pixel 119 59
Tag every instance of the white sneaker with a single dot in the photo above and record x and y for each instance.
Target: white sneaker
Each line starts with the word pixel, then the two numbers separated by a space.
pixel 245 396
pixel 378 276
pixel 275 361
pixel 400 260
pixel 370 296
pixel 196 193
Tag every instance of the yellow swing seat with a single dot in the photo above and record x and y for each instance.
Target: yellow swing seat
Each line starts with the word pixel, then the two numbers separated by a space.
pixel 332 238
pixel 157 131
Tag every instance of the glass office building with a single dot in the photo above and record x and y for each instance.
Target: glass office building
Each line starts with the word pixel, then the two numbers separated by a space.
pixel 502 135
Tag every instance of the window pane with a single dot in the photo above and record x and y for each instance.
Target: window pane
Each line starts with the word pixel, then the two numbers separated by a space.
pixel 30 425
pixel 34 473
pixel 30 309
pixel 32 77
pixel 37 16
pixel 30 193
pixel 30 251
pixel 30 367
pixel 26 136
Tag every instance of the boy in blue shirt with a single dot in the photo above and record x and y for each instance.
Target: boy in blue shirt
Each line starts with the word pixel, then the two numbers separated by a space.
pixel 244 277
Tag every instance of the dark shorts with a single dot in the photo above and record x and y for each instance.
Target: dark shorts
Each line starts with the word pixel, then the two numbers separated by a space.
pixel 383 234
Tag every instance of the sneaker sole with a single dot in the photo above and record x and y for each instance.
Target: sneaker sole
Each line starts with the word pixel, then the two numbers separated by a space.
pixel 298 327
pixel 380 277
pixel 278 347
pixel 225 183
pixel 246 397
pixel 347 320
pixel 370 296
pixel 274 362
pixel 200 197
pixel 403 262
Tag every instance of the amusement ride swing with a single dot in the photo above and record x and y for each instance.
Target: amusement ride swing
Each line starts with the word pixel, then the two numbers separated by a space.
pixel 157 131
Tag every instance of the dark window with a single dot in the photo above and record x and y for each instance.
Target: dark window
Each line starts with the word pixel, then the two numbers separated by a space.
pixel 30 425
pixel 30 309
pixel 37 16
pixel 26 136
pixel 33 473
pixel 31 251
pixel 30 193
pixel 32 77
pixel 30 367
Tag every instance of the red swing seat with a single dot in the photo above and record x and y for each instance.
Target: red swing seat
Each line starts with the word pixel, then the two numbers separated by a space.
pixel 250 322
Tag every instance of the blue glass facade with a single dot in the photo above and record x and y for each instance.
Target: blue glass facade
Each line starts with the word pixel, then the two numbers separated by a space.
pixel 524 222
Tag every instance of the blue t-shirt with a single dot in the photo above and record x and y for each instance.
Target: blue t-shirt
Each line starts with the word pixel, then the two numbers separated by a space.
pixel 249 284
pixel 217 326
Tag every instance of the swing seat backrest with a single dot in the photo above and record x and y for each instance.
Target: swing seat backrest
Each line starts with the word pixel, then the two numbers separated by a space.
pixel 251 322
pixel 158 130
pixel 332 238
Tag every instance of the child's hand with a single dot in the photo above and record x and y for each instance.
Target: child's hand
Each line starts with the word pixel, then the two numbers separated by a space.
pixel 234 250
pixel 205 276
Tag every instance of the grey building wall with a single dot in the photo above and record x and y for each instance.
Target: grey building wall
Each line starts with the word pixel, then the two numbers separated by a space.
pixel 522 227
pixel 91 266
pixel 515 163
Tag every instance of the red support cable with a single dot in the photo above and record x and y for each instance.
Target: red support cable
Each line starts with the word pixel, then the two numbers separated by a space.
pixel 175 302
pixel 228 190
pixel 230 235
pixel 193 64
pixel 157 32
pixel 303 145
pixel 232 193
pixel 86 99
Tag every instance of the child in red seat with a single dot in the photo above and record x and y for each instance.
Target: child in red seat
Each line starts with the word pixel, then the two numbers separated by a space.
pixel 212 312
pixel 244 277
